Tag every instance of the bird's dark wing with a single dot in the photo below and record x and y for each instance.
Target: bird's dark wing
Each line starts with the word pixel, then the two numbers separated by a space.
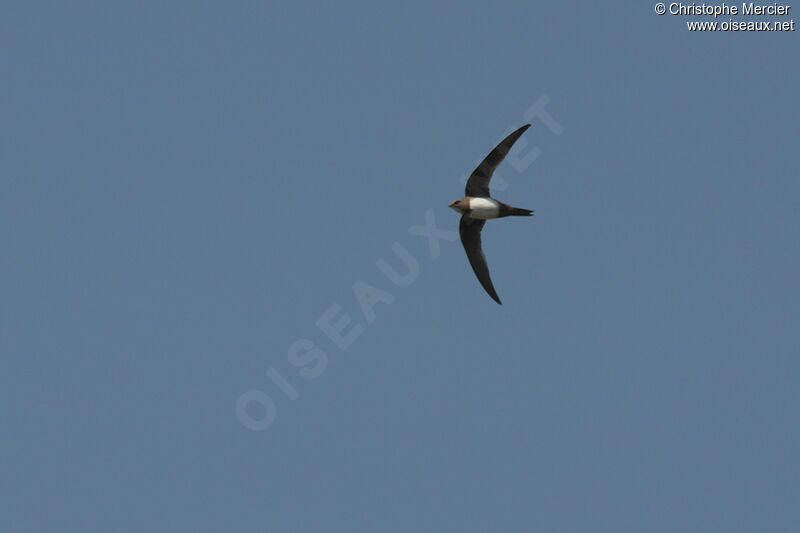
pixel 470 230
pixel 478 182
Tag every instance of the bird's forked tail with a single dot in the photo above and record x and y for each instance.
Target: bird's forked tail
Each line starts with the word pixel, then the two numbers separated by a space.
pixel 519 212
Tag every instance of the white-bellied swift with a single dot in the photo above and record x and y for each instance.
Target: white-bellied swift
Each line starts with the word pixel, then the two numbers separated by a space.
pixel 478 206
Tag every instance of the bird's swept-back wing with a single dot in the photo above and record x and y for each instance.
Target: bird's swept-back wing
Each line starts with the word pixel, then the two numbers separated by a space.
pixel 478 182
pixel 470 230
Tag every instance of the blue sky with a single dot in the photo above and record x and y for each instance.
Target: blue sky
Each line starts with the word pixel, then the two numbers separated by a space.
pixel 187 188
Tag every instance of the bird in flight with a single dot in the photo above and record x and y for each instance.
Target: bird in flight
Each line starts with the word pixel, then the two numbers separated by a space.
pixel 478 206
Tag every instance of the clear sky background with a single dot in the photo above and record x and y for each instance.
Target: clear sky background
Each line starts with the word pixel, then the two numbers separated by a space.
pixel 187 187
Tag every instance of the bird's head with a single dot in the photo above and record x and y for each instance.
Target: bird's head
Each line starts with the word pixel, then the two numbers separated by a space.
pixel 460 206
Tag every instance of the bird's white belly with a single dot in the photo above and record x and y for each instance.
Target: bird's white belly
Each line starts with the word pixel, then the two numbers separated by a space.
pixel 483 208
